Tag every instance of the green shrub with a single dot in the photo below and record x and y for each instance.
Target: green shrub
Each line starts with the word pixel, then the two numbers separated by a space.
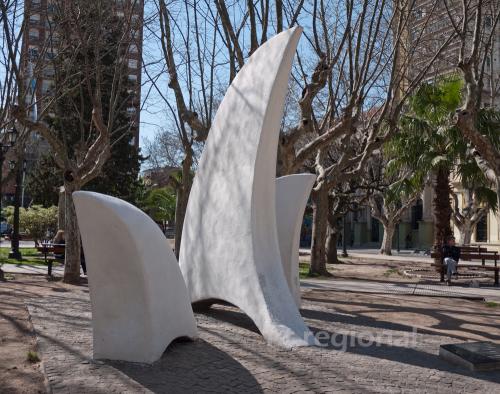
pixel 35 221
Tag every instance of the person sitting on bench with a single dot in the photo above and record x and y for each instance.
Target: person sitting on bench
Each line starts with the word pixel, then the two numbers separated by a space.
pixel 451 256
pixel 59 239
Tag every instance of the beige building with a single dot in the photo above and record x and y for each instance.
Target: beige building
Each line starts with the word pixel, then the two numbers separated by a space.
pixel 431 27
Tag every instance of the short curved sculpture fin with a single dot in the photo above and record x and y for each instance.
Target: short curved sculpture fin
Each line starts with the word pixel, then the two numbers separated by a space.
pixel 229 249
pixel 292 193
pixel 140 302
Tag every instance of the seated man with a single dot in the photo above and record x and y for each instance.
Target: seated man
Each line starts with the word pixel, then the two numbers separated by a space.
pixel 451 256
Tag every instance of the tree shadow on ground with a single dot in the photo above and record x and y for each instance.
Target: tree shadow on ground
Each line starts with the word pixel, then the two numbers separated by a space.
pixel 444 326
pixel 191 366
pixel 400 350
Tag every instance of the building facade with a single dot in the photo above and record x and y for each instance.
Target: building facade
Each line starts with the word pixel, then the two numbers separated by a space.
pixel 40 48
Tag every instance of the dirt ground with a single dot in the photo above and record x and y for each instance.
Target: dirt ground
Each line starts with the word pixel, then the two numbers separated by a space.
pixel 17 374
pixel 379 270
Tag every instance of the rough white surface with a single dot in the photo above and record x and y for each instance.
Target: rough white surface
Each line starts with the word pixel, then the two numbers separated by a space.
pixel 229 247
pixel 292 193
pixel 140 302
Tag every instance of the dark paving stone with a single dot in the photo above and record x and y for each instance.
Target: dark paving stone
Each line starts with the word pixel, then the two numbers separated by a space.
pixel 477 356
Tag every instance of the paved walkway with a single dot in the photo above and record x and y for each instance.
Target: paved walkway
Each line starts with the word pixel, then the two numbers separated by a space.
pixel 416 289
pixel 360 354
pixel 402 256
pixel 487 293
pixel 57 270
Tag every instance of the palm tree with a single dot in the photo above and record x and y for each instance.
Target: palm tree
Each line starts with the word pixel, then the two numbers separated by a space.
pixel 429 145
pixel 160 204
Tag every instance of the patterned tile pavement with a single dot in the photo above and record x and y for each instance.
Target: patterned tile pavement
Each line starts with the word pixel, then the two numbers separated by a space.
pixel 359 355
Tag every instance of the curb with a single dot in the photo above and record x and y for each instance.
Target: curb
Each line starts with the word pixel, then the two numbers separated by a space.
pixel 46 383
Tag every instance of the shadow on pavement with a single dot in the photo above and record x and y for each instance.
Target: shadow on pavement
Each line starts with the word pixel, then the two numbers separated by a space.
pixel 191 366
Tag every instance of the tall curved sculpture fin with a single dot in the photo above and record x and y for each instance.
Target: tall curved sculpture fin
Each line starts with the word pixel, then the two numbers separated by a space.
pixel 292 193
pixel 229 249
pixel 140 302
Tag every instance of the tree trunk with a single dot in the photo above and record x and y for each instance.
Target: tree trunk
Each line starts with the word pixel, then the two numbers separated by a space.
pixel 72 238
pixel 331 246
pixel 182 200
pixel 319 229
pixel 61 210
pixel 466 232
pixel 333 235
pixel 389 229
pixel 442 207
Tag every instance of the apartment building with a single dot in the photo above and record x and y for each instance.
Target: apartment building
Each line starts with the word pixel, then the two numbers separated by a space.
pixel 40 48
pixel 431 26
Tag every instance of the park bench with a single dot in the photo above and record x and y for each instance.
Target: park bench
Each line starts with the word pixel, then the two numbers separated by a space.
pixel 468 253
pixel 52 252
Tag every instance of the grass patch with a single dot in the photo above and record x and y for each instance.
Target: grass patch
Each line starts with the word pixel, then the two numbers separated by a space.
pixel 304 272
pixel 31 256
pixel 492 304
pixel 391 271
pixel 32 357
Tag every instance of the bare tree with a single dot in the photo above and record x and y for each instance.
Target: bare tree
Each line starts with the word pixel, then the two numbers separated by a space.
pixel 354 98
pixel 467 217
pixel 203 48
pixel 477 26
pixel 87 43
pixel 390 193
pixel 347 92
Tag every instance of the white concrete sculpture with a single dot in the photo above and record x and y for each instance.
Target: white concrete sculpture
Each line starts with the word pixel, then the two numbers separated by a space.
pixel 292 193
pixel 140 302
pixel 229 248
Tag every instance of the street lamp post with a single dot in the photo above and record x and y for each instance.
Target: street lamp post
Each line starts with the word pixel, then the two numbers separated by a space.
pixel 14 240
pixel 397 234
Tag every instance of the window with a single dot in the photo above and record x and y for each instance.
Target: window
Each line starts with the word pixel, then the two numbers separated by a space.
pixel 482 230
pixel 375 232
pixel 416 214
pixel 132 63
pixel 35 19
pixel 51 8
pixel 49 71
pixel 487 22
pixel 34 34
pixel 132 77
pixel 51 55
pixel 33 53
pixel 47 86
pixel 133 48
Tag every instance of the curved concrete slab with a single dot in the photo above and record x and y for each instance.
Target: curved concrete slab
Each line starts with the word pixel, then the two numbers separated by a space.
pixel 292 193
pixel 229 248
pixel 140 302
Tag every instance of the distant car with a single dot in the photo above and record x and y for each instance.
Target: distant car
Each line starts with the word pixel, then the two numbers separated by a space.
pixel 4 228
